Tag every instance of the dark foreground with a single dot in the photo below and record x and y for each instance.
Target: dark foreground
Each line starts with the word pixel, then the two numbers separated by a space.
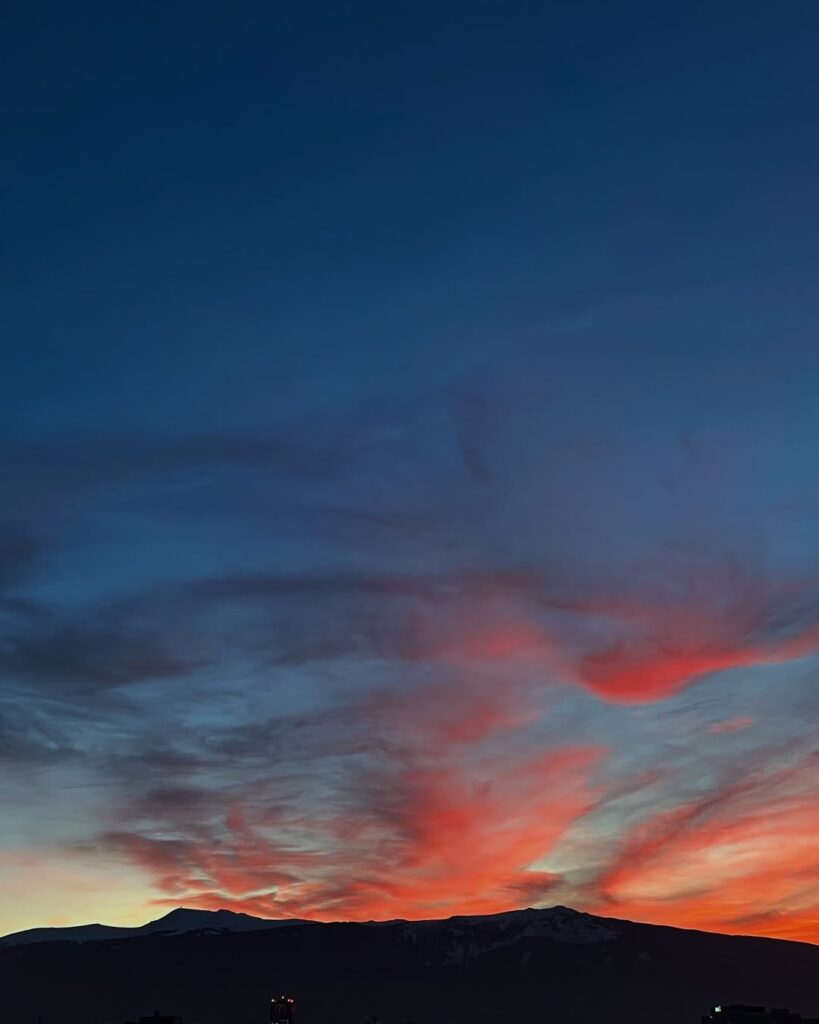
pixel 464 970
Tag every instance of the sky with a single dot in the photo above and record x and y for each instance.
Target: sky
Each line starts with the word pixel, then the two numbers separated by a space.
pixel 408 430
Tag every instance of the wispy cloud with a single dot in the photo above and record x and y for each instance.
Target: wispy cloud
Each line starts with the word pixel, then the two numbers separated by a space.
pixel 404 684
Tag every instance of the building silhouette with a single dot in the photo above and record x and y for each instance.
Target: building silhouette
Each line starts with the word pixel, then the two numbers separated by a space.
pixel 740 1013
pixel 282 1010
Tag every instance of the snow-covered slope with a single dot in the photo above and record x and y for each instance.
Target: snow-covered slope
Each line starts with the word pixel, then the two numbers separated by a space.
pixel 561 923
pixel 458 940
pixel 185 920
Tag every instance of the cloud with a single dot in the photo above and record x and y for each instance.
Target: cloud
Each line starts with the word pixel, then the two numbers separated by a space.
pixel 629 632
pixel 638 647
pixel 384 808
pixel 712 861
pixel 63 468
pixel 664 640
pixel 399 671
pixel 27 739
pixel 433 842
pixel 642 644
pixel 732 725
pixel 100 649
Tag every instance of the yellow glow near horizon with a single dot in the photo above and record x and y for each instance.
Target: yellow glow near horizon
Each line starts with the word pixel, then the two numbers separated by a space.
pixel 43 891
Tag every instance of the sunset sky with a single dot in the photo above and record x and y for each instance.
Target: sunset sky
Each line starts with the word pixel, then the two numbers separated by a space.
pixel 409 417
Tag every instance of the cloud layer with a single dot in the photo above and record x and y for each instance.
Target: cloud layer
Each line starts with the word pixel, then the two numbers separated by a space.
pixel 361 672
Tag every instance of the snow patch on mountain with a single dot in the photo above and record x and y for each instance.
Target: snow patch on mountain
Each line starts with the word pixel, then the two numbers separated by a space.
pixel 461 939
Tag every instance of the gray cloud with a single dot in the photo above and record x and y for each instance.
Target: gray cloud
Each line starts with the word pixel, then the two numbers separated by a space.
pixel 84 651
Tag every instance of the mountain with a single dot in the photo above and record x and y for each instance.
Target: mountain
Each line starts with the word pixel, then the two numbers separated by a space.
pixel 559 923
pixel 527 967
pixel 176 922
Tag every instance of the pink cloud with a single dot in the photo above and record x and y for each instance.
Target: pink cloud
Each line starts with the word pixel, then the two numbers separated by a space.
pixel 732 725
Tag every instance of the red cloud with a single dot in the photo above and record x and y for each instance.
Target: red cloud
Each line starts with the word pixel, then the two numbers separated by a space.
pixel 640 646
pixel 743 860
pixel 452 844
pixel 662 668
pixel 437 822
pixel 423 815
pixel 469 841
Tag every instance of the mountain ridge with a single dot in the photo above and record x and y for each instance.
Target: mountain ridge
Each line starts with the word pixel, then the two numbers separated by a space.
pixel 526 966
pixel 187 919
pixel 182 920
pixel 177 921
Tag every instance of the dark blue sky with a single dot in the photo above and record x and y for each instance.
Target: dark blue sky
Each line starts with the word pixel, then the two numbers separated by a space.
pixel 224 213
pixel 401 401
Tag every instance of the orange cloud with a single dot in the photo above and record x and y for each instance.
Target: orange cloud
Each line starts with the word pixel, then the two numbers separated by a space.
pixel 437 822
pixel 450 844
pixel 743 860
pixel 434 798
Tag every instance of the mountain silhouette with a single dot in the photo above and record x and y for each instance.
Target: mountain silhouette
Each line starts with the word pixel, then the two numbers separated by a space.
pixel 528 966
pixel 178 921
